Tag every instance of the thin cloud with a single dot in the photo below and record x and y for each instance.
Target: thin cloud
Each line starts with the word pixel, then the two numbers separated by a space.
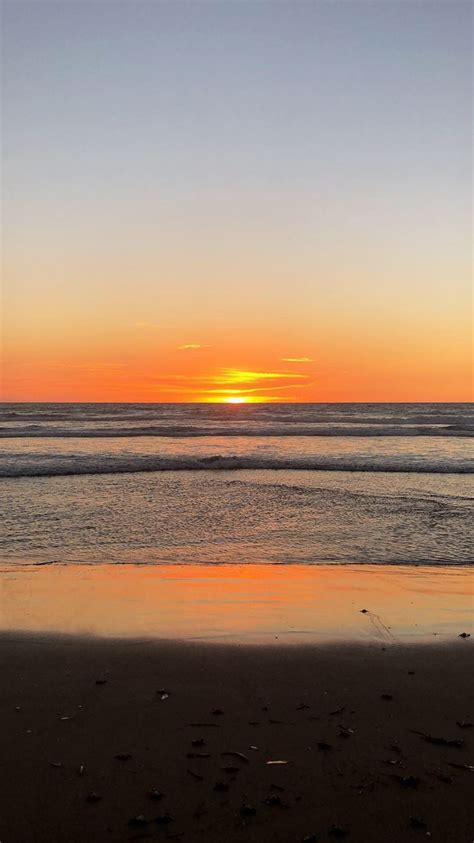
pixel 192 346
pixel 243 376
pixel 247 391
pixel 237 377
pixel 297 359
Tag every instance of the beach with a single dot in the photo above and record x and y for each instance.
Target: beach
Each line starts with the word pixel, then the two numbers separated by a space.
pixel 190 592
pixel 132 739
pixel 147 702
pixel 236 422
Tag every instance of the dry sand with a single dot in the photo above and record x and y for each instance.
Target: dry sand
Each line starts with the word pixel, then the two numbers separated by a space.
pixel 346 719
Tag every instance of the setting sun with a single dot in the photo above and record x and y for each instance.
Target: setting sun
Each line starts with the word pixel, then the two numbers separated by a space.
pixel 236 399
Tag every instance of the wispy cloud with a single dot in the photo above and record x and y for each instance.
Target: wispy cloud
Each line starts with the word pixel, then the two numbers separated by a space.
pixel 236 377
pixel 247 391
pixel 85 367
pixel 243 376
pixel 192 346
pixel 297 360
pixel 228 382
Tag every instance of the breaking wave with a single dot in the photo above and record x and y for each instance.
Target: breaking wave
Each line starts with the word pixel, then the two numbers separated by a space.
pixel 51 466
pixel 40 431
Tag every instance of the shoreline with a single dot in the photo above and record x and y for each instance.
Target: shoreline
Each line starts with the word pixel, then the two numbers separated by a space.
pixel 240 603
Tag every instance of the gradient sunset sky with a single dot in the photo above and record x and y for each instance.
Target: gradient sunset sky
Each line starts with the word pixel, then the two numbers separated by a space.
pixel 222 200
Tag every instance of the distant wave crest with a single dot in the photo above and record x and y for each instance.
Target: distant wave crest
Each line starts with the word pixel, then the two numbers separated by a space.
pixel 38 431
pixel 46 467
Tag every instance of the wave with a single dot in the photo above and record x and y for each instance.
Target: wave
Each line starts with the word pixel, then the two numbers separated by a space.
pixel 32 431
pixel 70 466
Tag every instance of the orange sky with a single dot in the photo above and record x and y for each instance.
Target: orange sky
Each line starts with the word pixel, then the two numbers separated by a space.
pixel 400 366
pixel 199 196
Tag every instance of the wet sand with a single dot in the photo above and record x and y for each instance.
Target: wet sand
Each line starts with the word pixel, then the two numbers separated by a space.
pixel 239 603
pixel 94 730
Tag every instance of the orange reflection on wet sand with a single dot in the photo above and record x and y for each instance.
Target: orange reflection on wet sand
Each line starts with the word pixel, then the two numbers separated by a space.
pixel 253 603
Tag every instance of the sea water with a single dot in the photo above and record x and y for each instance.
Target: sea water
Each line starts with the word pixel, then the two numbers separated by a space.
pixel 206 483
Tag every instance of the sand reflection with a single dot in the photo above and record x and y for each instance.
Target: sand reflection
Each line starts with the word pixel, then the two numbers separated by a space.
pixel 246 603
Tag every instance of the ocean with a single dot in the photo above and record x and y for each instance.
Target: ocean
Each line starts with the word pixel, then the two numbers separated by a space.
pixel 213 484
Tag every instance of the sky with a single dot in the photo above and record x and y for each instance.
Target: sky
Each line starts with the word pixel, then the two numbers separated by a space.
pixel 236 200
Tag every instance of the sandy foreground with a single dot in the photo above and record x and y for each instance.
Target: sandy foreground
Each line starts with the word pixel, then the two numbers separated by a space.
pixel 138 739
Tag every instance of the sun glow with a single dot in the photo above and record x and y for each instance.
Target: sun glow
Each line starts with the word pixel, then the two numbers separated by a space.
pixel 236 399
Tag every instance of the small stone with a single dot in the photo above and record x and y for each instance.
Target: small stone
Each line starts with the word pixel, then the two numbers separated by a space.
pixel 408 781
pixel 273 800
pixel 345 732
pixel 93 797
pixel 337 831
pixel 417 822
pixel 221 787
pixel 138 821
pixel 156 795
pixel 164 819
